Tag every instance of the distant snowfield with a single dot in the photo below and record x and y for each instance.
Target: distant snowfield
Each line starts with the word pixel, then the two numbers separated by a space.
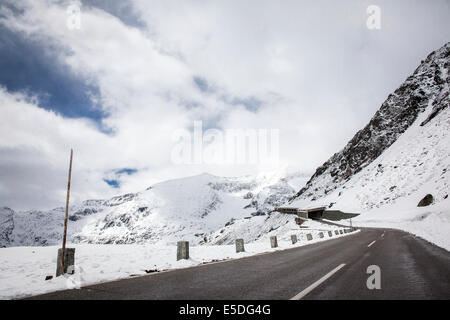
pixel 23 269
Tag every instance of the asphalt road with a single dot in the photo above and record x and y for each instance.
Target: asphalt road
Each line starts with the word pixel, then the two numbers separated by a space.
pixel 410 268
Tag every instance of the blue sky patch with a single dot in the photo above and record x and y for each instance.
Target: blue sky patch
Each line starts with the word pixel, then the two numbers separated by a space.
pixel 33 67
pixel 113 183
pixel 127 171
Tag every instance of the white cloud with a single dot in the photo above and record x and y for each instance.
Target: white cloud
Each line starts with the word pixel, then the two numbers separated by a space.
pixel 319 73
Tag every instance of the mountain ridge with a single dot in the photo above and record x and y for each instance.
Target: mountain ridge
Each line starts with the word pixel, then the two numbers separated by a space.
pixel 399 111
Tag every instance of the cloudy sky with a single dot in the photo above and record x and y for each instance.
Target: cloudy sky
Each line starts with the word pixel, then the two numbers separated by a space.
pixel 134 72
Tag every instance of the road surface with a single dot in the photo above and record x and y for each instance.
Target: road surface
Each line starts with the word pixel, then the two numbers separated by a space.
pixel 410 268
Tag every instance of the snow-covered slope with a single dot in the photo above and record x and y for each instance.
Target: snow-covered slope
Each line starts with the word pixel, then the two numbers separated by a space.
pixel 260 228
pixel 417 164
pixel 188 209
pixel 396 160
pixel 427 90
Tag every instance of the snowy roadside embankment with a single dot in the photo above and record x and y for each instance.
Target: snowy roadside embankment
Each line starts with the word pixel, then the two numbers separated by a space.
pixel 387 192
pixel 430 223
pixel 23 269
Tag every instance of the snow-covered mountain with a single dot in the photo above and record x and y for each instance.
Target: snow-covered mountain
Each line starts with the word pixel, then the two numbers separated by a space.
pixel 415 115
pixel 401 156
pixel 188 208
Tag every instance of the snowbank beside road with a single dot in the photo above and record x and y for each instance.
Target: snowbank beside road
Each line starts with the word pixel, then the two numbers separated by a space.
pixel 430 223
pixel 23 269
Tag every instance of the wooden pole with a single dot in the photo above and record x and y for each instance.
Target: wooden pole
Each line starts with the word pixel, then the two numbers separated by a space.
pixel 67 212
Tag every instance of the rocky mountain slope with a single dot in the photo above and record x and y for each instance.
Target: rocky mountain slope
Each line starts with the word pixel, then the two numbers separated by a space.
pixel 398 159
pixel 424 92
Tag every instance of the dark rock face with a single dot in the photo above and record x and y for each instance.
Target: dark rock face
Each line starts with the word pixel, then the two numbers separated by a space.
pixel 428 85
pixel 6 226
pixel 426 201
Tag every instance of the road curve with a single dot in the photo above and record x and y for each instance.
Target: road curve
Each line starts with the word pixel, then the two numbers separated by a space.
pixel 411 268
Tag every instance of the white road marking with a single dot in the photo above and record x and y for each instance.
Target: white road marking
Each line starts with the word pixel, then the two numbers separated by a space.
pixel 371 243
pixel 317 283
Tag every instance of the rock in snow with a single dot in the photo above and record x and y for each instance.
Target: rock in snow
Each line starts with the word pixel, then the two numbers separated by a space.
pixel 426 201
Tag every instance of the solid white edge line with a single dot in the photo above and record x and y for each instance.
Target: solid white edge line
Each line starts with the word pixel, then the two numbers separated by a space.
pixel 317 283
pixel 370 244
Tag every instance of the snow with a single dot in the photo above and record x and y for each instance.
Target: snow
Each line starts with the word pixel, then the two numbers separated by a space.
pixel 261 227
pixel 385 170
pixel 23 269
pixel 430 223
pixel 182 209
pixel 387 191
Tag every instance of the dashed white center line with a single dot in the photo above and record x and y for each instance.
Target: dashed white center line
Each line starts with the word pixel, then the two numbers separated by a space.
pixel 317 283
pixel 370 244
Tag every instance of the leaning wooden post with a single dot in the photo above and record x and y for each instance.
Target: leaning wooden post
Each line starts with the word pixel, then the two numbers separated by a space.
pixel 61 268
pixel 67 207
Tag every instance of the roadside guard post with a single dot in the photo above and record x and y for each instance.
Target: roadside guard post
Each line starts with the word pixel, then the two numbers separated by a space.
pixel 240 245
pixel 182 250
pixel 273 242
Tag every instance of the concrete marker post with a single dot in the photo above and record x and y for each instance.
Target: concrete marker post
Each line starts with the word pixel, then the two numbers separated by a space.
pixel 240 245
pixel 69 261
pixel 309 237
pixel 294 239
pixel 330 234
pixel 336 232
pixel 182 250
pixel 321 235
pixel 273 242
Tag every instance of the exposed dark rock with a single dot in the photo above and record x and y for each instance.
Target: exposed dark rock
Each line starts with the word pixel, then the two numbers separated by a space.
pixel 6 226
pixel 426 201
pixel 248 196
pixel 229 223
pixel 151 271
